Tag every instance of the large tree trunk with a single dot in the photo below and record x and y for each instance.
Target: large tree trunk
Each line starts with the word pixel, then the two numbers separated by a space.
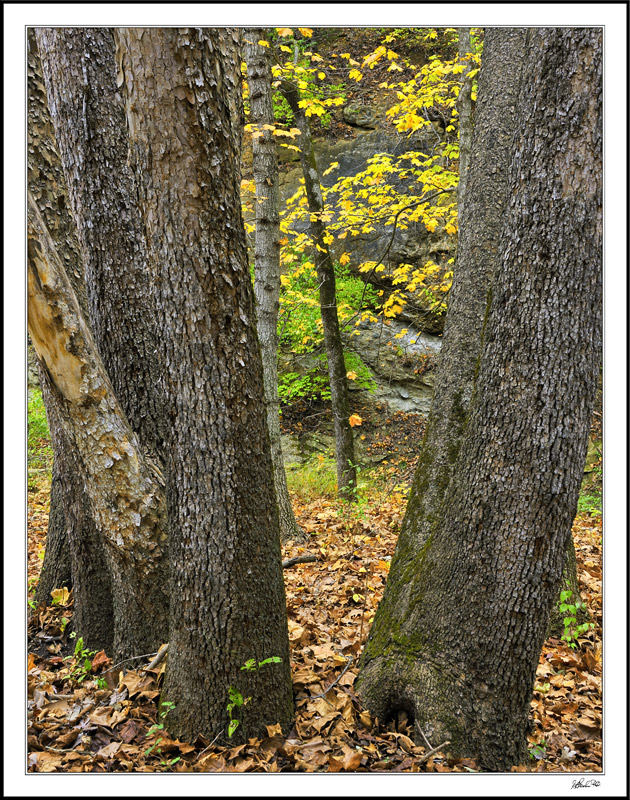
pixel 344 442
pixel 460 632
pixel 182 93
pixel 74 555
pixel 125 494
pixel 480 221
pixel 80 71
pixel 267 260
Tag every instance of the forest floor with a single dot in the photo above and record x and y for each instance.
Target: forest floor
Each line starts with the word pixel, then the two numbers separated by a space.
pixel 86 714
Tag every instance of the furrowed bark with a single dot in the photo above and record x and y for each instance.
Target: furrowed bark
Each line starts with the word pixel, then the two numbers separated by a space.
pixel 182 97
pixel 344 442
pixel 459 638
pixel 267 260
pixel 480 223
pixel 80 72
pixel 74 555
pixel 126 496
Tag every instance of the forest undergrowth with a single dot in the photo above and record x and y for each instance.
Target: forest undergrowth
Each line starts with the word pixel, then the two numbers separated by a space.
pixel 86 714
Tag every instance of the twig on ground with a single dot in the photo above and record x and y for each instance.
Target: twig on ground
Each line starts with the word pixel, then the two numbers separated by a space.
pixel 131 658
pixel 159 657
pixel 428 755
pixel 210 745
pixel 337 679
pixel 424 736
pixel 298 560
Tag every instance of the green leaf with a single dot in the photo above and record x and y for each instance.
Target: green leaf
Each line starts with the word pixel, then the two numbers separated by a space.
pixel 234 723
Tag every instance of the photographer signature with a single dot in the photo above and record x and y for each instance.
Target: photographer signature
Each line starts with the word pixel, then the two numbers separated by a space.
pixel 582 784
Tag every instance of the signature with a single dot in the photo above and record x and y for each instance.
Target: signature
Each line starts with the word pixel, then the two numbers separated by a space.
pixel 582 784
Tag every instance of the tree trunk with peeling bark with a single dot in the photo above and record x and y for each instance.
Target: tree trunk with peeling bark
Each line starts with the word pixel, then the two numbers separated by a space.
pixel 344 442
pixel 181 90
pixel 74 554
pixel 267 259
pixel 125 494
pixel 458 635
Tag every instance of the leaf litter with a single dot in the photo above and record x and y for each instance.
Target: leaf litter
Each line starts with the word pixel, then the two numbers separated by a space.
pixel 104 722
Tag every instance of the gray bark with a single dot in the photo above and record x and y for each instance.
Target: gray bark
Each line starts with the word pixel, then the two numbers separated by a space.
pixel 74 555
pixel 458 635
pixel 464 111
pixel 80 72
pixel 267 260
pixel 181 88
pixel 480 222
pixel 344 442
pixel 125 494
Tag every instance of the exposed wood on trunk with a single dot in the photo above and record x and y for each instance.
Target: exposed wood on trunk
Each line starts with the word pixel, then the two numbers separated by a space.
pixel 344 442
pixel 267 259
pixel 80 72
pixel 458 640
pixel 125 493
pixel 74 553
pixel 181 88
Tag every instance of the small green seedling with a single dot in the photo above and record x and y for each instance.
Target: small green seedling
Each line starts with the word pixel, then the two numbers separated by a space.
pixel 236 699
pixel 572 631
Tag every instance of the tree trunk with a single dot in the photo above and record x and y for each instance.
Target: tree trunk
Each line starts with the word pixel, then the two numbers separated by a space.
pixel 80 71
pixel 464 110
pixel 181 89
pixel 480 221
pixel 74 555
pixel 126 497
pixel 344 442
pixel 267 260
pixel 467 612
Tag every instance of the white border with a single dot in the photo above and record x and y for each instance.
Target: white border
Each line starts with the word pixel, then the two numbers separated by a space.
pixel 610 15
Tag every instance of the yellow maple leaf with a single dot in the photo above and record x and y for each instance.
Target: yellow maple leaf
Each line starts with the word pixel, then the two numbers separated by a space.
pixel 355 419
pixel 344 258
pixel 284 31
pixel 263 43
pixel 351 376
pixel 306 32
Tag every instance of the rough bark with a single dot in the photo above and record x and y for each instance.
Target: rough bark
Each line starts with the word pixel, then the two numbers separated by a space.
pixel 460 631
pixel 74 554
pixel 80 72
pixel 125 494
pixel 267 260
pixel 480 220
pixel 344 442
pixel 182 97
pixel 464 111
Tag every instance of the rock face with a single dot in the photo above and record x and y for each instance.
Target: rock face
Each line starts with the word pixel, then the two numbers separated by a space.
pixel 402 364
pixel 415 245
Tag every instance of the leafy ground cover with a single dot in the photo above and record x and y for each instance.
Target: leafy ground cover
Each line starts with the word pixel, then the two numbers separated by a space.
pixel 86 714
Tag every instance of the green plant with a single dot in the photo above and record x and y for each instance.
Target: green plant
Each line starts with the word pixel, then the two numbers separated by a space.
pixel 82 660
pixel 236 699
pixel 315 479
pixel 572 631
pixel 538 751
pixel 590 504
pixel 165 708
